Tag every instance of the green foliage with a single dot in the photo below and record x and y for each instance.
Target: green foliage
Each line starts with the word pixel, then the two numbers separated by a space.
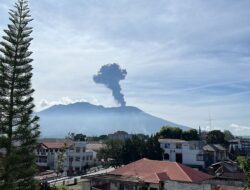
pixel 98 138
pixel 216 137
pixel 191 134
pixel 60 159
pixel 245 166
pixel 138 147
pixel 133 149
pixel 121 132
pixel 17 124
pixel 177 133
pixel 228 135
pixel 171 132
pixel 112 150
pixel 79 137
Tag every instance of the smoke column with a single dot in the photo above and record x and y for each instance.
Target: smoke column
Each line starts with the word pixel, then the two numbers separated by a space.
pixel 110 75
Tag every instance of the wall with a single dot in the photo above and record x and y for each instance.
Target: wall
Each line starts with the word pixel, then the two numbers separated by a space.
pixel 189 155
pixel 174 185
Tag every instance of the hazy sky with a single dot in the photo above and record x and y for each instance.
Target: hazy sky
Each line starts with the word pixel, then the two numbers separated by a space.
pixel 185 60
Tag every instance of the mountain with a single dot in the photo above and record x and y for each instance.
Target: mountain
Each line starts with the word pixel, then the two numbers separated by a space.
pixel 83 117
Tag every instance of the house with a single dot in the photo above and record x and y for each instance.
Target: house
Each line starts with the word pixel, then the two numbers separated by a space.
pixel 241 146
pixel 214 153
pixel 148 174
pixel 228 175
pixel 47 152
pixel 181 151
pixel 77 158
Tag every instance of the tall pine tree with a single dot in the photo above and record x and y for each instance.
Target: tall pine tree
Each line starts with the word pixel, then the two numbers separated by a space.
pixel 19 129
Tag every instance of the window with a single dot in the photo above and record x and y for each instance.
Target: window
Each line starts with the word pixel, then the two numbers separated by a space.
pixel 77 159
pixel 83 158
pixel 71 159
pixel 90 157
pixel 83 149
pixel 199 157
pixel 178 145
pixel 167 145
pixel 166 156
pixel 87 157
pixel 78 149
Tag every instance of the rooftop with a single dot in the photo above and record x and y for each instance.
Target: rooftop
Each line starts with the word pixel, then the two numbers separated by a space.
pixel 171 141
pixel 213 147
pixel 153 171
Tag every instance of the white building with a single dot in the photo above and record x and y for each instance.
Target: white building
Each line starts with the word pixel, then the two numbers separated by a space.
pixel 181 151
pixel 76 159
pixel 241 146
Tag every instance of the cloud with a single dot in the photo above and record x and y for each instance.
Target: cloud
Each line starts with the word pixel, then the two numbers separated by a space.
pixel 44 104
pixel 238 129
pixel 183 57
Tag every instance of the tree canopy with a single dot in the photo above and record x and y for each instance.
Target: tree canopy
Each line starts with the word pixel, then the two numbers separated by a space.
pixel 177 133
pixel 18 124
pixel 216 137
pixel 132 149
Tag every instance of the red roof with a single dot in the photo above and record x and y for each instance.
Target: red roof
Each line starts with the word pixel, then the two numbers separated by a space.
pixel 154 171
pixel 53 145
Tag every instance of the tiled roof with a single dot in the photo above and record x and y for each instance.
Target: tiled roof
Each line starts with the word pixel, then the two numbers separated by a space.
pixel 153 171
pixel 54 144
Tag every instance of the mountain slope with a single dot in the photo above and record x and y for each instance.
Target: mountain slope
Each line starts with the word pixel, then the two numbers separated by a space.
pixel 89 119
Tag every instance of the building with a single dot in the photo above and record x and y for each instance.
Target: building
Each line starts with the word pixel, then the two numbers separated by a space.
pixel 214 153
pixel 47 152
pixel 77 158
pixel 228 175
pixel 181 151
pixel 241 146
pixel 148 174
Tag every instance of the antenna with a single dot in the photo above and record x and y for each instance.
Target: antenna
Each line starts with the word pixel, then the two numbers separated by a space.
pixel 210 122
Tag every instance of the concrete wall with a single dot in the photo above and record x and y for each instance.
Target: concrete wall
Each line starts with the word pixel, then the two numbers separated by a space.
pixel 189 155
pixel 173 185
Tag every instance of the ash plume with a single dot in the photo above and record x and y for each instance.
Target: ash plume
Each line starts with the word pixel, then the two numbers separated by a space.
pixel 110 75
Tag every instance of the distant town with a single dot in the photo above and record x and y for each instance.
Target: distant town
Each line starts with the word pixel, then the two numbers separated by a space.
pixel 170 159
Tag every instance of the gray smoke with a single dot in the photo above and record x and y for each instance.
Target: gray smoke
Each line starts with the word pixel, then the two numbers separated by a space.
pixel 110 75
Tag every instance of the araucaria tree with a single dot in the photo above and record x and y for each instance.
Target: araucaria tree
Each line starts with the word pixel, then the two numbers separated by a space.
pixel 19 129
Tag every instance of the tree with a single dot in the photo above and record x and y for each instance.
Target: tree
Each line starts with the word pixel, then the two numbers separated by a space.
pixel 79 137
pixel 190 135
pixel 18 125
pixel 177 133
pixel 216 137
pixel 228 135
pixel 170 132
pixel 153 149
pixel 245 166
pixel 112 151
pixel 133 149
pixel 60 159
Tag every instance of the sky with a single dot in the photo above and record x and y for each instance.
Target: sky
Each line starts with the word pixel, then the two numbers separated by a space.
pixel 187 61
